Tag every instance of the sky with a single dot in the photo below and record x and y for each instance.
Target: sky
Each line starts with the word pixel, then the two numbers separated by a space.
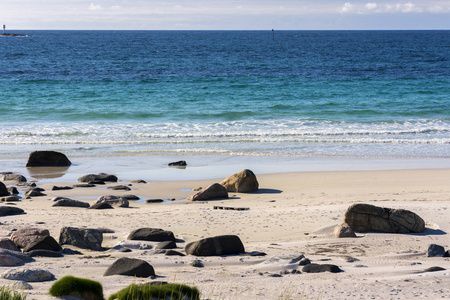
pixel 225 15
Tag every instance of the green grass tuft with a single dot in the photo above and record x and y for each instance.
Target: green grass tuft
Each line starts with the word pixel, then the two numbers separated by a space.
pixel 9 293
pixel 173 291
pixel 73 286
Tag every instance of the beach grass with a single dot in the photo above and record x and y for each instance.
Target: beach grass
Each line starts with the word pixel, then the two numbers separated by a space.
pixel 70 285
pixel 9 293
pixel 173 291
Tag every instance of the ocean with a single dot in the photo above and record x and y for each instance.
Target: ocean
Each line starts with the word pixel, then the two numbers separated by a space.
pixel 283 94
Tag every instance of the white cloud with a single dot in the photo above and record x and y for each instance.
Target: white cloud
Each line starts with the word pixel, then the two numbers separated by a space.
pixel 116 7
pixel 392 8
pixel 371 6
pixel 93 6
pixel 347 8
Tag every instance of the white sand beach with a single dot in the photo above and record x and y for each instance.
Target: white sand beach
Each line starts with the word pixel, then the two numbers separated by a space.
pixel 290 215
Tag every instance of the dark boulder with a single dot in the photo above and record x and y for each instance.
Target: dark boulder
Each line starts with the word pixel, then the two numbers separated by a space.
pixel 10 210
pixel 166 245
pixel 171 252
pixel 366 217
pixel 10 199
pixel 101 205
pixel 82 238
pixel 58 188
pixel 130 197
pixel 44 253
pixel 316 268
pixel 435 251
pixel 43 243
pixel 214 191
pixel 130 267
pixel 13 190
pixel 7 244
pixel 3 190
pixel 71 203
pixel 35 192
pixel 84 185
pixel 10 258
pixel 152 234
pixel 219 245
pixel 48 159
pixel 119 188
pixel 102 176
pixel 242 182
pixel 180 163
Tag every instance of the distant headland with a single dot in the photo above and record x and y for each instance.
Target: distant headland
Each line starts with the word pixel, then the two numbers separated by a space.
pixel 11 34
pixel 14 34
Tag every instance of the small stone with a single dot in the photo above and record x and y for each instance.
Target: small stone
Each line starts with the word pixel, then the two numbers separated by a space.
pixel 119 187
pixel 171 252
pixel 344 231
pixel 435 251
pixel 304 261
pixel 83 185
pixel 180 163
pixel 434 269
pixel 196 263
pixel 57 188
pixel 166 245
pixel 154 201
pixel 316 268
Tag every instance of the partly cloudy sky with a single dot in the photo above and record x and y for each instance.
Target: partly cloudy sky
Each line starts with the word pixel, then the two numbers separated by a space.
pixel 225 15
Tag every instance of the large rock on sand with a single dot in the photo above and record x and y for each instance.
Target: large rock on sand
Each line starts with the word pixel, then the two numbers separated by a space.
pixel 81 237
pixel 113 201
pixel 27 235
pixel 14 177
pixel 214 191
pixel 43 243
pixel 152 234
pixel 9 258
pixel 218 245
pixel 100 177
pixel 48 159
pixel 130 267
pixel 366 217
pixel 10 211
pixel 243 182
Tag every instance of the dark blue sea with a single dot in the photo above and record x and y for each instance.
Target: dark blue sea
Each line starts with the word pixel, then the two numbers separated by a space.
pixel 251 93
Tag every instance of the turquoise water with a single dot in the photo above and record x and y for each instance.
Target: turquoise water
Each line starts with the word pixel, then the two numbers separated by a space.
pixel 304 94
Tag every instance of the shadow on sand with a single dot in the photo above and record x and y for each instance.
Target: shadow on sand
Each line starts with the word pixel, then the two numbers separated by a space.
pixel 267 191
pixel 430 231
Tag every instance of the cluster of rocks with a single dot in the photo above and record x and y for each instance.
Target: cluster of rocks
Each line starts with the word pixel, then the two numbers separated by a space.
pixel 242 182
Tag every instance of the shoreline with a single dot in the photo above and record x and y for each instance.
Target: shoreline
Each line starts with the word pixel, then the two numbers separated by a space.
pixel 204 167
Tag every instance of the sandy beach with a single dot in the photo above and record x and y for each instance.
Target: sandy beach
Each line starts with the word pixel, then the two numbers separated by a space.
pixel 291 214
